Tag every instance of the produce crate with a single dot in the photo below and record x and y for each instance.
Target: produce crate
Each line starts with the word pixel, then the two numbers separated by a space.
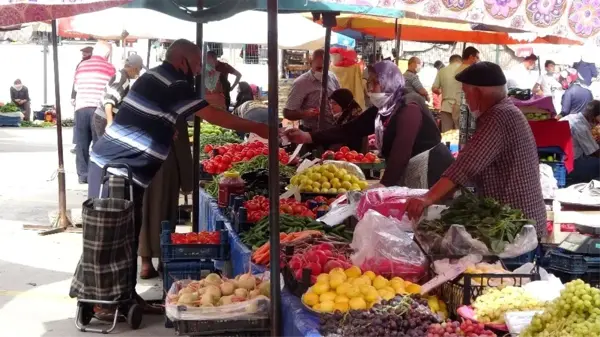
pixel 560 173
pixel 252 327
pixel 569 262
pixel 552 151
pixel 591 276
pixel 175 271
pixel 187 252
pixel 295 286
pixel 515 262
pixel 456 294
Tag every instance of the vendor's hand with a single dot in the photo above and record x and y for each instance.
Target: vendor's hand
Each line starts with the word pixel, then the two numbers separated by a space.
pixel 312 112
pixel 416 206
pixel 298 136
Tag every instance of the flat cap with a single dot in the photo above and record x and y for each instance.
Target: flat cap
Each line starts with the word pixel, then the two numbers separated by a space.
pixel 88 49
pixel 482 74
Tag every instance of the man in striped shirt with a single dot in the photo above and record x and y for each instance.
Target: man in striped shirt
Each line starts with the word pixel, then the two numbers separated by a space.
pixel 142 132
pixel 114 95
pixel 91 78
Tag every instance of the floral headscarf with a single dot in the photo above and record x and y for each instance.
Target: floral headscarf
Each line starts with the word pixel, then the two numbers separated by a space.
pixel 391 82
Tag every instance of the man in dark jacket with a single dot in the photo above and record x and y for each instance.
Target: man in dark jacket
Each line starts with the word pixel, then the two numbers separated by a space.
pixel 19 94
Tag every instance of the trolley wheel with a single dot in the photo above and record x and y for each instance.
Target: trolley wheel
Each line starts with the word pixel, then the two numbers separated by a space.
pixel 86 313
pixel 134 316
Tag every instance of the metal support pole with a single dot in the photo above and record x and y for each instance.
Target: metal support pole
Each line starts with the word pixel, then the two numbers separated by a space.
pixel 149 51
pixel 498 54
pixel 196 145
pixel 398 38
pixel 272 45
pixel 45 51
pixel 374 50
pixel 63 221
pixel 325 80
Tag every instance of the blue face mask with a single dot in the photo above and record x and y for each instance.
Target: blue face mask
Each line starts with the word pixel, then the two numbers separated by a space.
pixel 189 75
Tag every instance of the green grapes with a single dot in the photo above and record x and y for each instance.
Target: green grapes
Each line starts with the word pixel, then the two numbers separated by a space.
pixel 494 303
pixel 576 313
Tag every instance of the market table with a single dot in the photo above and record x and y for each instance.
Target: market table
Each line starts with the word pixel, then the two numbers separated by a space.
pixel 297 321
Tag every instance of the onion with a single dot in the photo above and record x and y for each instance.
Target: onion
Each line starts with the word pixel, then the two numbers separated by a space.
pixel 247 281
pixel 213 291
pixel 236 299
pixel 265 288
pixel 241 292
pixel 213 279
pixel 187 298
pixel 185 290
pixel 206 299
pixel 225 300
pixel 227 288
pixel 254 293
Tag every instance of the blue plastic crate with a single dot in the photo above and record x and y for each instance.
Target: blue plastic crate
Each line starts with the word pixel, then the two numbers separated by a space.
pixel 552 150
pixel 515 262
pixel 180 252
pixel 175 271
pixel 560 173
pixel 572 263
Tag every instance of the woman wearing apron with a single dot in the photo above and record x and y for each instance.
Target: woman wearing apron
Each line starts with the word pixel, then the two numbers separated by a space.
pixel 405 131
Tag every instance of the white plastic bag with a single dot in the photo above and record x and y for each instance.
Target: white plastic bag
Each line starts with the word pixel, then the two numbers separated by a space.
pixel 382 246
pixel 549 183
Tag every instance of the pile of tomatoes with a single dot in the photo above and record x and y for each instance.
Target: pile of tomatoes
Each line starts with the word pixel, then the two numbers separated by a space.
pixel 213 238
pixel 344 154
pixel 223 157
pixel 258 207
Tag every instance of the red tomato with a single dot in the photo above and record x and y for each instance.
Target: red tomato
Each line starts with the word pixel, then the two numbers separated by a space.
pixel 208 148
pixel 339 156
pixel 209 167
pixel 328 155
pixel 344 149
pixel 246 158
pixel 349 157
pixel 252 206
pixel 287 209
pixel 298 209
pixel 222 150
pixel 237 158
pixel 226 159
pixel 266 152
pixel 222 167
pixel 365 160
pixel 218 158
pixel 370 157
pixel 359 157
pixel 354 153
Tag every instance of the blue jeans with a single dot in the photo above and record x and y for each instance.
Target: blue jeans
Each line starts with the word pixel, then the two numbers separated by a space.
pixel 83 140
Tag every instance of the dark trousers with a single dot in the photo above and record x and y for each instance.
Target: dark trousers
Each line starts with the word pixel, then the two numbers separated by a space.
pixel 585 169
pixel 26 110
pixel 94 182
pixel 83 140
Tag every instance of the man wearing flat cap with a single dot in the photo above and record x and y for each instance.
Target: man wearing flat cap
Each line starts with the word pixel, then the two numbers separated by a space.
pixel 501 158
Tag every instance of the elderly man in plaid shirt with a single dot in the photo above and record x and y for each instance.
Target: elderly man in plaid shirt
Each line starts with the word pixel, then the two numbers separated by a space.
pixel 501 158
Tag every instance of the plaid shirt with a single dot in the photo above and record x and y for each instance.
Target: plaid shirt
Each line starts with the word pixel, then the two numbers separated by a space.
pixel 501 159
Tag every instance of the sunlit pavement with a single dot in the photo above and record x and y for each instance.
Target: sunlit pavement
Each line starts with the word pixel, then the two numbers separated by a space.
pixel 36 271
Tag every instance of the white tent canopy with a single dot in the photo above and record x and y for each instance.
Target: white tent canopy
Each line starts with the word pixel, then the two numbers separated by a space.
pixel 250 27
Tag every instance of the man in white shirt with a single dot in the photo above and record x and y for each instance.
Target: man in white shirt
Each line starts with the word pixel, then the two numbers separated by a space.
pixel 446 85
pixel 547 82
pixel 521 76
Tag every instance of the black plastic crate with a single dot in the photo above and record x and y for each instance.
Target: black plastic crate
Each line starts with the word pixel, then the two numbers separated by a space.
pixel 516 262
pixel 456 294
pixel 572 263
pixel 253 327
pixel 187 252
pixel 591 276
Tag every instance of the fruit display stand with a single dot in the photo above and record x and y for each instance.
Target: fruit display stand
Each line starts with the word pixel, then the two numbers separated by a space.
pixel 297 321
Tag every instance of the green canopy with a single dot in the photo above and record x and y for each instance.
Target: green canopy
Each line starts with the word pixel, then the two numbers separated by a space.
pixel 221 9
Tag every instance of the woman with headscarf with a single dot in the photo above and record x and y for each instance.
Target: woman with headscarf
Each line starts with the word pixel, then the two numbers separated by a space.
pixel 406 133
pixel 346 109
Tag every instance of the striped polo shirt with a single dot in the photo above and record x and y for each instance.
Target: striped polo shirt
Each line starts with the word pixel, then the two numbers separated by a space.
pixel 142 131
pixel 114 94
pixel 91 78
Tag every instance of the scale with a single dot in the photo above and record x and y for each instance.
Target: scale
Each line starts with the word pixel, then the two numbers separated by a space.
pixel 585 242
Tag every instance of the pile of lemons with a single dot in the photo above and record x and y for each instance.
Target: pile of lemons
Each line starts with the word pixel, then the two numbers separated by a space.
pixel 328 178
pixel 350 289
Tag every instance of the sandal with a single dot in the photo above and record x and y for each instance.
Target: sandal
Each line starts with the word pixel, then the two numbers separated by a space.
pixel 148 273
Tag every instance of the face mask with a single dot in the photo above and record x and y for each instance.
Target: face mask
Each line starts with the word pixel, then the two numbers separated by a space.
pixel 18 86
pixel 378 99
pixel 418 68
pixel 318 75
pixel 189 75
pixel 210 67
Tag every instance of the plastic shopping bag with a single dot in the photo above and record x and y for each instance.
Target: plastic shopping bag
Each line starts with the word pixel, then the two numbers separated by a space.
pixel 381 246
pixel 388 201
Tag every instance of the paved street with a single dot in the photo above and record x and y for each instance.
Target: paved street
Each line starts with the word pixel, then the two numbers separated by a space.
pixel 35 271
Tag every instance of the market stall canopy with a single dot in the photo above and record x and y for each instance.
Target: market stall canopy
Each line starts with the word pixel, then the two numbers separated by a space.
pixel 572 19
pixel 249 27
pixel 23 11
pixel 431 30
pixel 215 10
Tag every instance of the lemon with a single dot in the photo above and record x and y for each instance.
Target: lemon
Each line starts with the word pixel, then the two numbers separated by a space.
pixel 370 274
pixel 325 184
pixel 353 271
pixel 336 270
pixel 316 184
pixel 372 295
pixel 357 303
pixel 390 289
pixel 328 296
pixel 335 281
pixel 323 278
pixel 385 294
pixel 365 288
pixel 327 306
pixel 333 190
pixel 367 279
pixel 398 288
pixel 354 179
pixel 413 289
pixel 332 168
pixel 342 190
pixel 346 184
pixel 355 187
pixel 328 175
pixel 363 184
pixel 433 303
pixel 317 307
pixel 341 299
pixel 341 307
pixel 397 280
pixel 343 288
pixel 357 282
pixel 380 282
pixel 310 299
pixel 320 288
pixel 353 292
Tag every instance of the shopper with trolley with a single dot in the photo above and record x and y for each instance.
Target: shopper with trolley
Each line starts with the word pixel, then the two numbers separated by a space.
pixel 139 140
